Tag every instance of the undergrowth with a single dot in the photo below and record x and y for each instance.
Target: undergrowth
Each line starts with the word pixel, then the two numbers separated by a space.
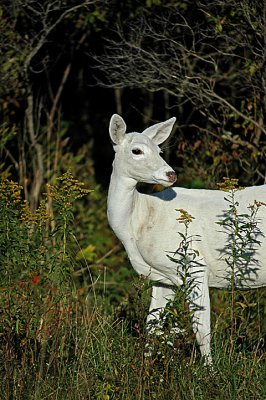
pixel 67 336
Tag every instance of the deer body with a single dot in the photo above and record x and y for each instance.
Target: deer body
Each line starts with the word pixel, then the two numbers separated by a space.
pixel 147 226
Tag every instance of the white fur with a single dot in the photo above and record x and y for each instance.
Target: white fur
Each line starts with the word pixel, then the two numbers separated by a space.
pixel 147 226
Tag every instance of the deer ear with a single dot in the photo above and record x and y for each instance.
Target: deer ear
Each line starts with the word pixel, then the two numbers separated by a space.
pixel 160 132
pixel 117 129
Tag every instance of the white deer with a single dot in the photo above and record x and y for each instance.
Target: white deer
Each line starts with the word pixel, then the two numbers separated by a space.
pixel 147 226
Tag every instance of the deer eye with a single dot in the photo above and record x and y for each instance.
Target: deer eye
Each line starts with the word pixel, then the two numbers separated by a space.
pixel 137 152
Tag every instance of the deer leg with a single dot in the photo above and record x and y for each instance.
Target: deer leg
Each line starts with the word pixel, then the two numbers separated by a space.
pixel 161 295
pixel 200 305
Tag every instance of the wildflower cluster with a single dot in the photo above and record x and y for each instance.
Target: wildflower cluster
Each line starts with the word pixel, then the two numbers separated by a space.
pixel 67 190
pixel 11 201
pixel 40 217
pixel 185 217
pixel 10 192
pixel 229 184
pixel 258 204
pixel 37 260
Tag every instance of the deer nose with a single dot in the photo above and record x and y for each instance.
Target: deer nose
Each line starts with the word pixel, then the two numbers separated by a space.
pixel 171 176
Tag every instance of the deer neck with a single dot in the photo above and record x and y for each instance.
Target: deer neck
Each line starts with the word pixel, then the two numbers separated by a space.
pixel 122 199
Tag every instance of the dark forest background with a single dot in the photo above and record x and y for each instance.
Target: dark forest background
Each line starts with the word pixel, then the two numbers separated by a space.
pixel 66 66
pixel 72 309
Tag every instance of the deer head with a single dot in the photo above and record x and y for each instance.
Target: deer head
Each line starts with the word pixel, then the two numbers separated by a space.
pixel 138 154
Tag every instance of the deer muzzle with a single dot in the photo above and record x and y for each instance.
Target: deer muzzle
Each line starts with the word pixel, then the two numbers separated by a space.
pixel 171 175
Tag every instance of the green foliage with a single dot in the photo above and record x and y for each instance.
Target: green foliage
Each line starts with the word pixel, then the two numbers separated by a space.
pixel 65 341
pixel 12 57
pixel 186 257
pixel 243 239
pixel 6 134
pixel 36 266
pixel 188 266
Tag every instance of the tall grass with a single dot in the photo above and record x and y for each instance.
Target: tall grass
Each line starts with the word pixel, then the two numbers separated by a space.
pixel 59 341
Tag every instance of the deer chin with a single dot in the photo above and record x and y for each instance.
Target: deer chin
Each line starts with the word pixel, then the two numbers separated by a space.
pixel 167 183
pixel 163 182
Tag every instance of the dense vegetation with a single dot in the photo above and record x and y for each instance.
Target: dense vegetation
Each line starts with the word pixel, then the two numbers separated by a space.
pixel 72 310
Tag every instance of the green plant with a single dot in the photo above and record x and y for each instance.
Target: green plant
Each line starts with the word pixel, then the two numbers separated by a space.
pixel 56 341
pixel 176 318
pixel 36 268
pixel 186 257
pixel 243 239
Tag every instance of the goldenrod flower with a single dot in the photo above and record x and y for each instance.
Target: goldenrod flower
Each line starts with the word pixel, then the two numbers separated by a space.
pixel 185 216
